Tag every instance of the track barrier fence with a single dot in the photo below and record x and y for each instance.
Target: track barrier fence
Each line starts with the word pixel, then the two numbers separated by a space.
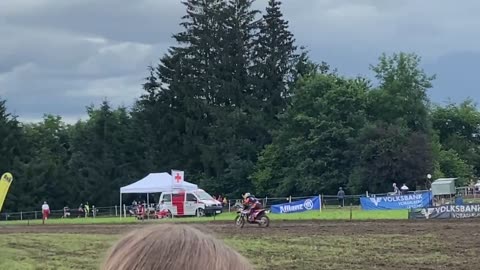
pixel 327 202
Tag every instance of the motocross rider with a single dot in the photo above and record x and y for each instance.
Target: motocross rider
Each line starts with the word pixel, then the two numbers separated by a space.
pixel 252 203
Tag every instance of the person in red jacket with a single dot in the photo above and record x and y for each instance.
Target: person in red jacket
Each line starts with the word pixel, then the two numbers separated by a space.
pixel 162 210
pixel 252 203
pixel 45 211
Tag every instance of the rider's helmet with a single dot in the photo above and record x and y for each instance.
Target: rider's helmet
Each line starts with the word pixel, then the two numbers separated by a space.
pixel 246 195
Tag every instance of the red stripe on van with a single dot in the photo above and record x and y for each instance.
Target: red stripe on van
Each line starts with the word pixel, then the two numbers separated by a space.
pixel 178 200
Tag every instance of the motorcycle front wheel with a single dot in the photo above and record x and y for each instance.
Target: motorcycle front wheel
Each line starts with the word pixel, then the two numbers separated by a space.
pixel 240 221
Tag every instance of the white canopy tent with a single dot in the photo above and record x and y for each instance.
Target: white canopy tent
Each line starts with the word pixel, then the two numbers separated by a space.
pixel 155 183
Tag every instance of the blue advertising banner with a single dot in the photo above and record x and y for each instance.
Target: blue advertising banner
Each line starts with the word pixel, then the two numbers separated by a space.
pixel 446 212
pixel 313 203
pixel 417 200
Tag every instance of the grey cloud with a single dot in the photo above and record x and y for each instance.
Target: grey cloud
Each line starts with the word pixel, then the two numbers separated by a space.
pixel 60 56
pixel 457 77
pixel 145 21
pixel 52 48
pixel 430 27
pixel 63 56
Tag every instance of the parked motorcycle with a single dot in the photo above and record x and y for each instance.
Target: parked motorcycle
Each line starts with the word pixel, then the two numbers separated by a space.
pixel 260 218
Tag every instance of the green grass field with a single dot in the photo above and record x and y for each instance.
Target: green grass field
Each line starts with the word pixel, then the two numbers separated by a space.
pixel 336 252
pixel 53 251
pixel 86 252
pixel 285 245
pixel 327 214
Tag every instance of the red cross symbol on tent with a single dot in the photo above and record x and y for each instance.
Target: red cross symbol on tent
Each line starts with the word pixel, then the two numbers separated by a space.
pixel 178 178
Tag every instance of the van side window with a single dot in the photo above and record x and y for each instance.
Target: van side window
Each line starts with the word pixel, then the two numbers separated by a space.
pixel 178 197
pixel 167 198
pixel 191 197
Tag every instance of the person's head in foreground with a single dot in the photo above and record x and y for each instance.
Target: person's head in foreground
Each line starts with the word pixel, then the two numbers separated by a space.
pixel 173 247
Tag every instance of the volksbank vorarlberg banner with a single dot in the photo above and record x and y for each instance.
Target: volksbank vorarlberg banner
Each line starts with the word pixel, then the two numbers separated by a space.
pixel 417 200
pixel 313 203
pixel 447 212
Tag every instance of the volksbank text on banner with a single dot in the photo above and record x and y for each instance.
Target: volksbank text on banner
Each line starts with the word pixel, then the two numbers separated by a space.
pixel 417 200
pixel 447 212
pixel 312 203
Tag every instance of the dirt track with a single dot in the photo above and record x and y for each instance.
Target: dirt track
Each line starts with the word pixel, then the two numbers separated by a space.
pixel 466 230
pixel 431 245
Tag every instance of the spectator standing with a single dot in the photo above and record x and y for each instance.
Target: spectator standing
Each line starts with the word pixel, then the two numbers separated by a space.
pixel 66 212
pixel 162 210
pixel 81 210
pixel 141 211
pixel 225 201
pixel 87 210
pixel 459 199
pixel 395 189
pixel 45 211
pixel 341 197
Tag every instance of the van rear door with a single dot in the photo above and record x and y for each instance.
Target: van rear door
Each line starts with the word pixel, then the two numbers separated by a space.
pixel 178 202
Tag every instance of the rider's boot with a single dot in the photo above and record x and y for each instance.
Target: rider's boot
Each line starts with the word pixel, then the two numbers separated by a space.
pixel 251 217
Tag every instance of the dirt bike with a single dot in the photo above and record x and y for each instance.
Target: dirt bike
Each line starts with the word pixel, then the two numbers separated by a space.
pixel 260 218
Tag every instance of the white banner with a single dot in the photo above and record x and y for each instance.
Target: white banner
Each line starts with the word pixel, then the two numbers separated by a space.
pixel 177 177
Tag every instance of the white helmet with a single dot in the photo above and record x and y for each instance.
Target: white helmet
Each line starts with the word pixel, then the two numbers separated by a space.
pixel 246 195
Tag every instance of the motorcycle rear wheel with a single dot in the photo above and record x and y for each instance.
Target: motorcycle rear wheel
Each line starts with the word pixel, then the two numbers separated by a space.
pixel 264 221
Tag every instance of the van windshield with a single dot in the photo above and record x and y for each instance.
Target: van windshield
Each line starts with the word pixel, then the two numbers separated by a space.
pixel 202 195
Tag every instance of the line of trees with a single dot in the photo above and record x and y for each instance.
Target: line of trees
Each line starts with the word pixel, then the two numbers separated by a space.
pixel 238 106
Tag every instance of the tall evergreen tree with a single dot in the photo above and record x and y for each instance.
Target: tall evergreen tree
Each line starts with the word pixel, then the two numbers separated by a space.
pixel 15 152
pixel 305 67
pixel 274 62
pixel 104 158
pixel 231 150
pixel 175 111
pixel 47 170
pixel 217 93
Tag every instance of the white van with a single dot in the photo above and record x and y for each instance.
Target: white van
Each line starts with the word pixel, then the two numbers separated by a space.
pixel 190 203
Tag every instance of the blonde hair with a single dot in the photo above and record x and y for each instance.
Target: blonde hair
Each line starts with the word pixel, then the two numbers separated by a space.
pixel 172 246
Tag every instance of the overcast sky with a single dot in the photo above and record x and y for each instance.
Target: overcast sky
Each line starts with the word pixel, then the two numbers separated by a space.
pixel 58 56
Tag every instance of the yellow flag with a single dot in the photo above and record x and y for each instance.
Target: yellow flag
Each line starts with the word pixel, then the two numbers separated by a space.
pixel 5 182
